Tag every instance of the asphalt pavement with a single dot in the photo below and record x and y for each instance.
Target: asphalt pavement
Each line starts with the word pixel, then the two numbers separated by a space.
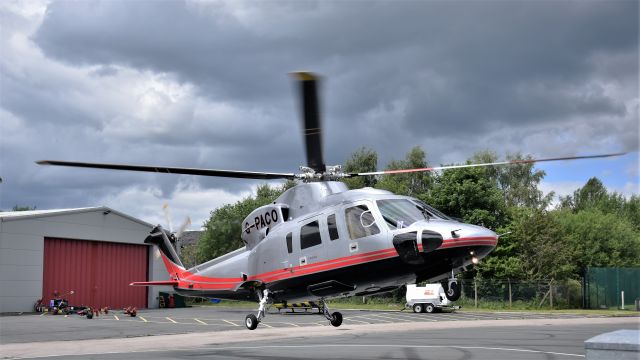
pixel 194 333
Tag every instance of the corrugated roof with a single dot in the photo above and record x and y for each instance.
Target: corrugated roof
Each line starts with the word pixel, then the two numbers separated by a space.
pixel 30 214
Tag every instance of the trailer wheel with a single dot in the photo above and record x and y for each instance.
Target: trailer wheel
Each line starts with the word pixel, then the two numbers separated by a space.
pixel 418 308
pixel 430 308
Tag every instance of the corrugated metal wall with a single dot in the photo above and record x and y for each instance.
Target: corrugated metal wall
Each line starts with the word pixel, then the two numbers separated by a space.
pixel 98 272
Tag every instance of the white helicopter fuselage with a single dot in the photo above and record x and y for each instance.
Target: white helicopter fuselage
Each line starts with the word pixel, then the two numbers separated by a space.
pixel 320 240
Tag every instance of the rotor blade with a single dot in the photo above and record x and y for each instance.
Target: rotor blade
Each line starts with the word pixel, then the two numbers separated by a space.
pixel 173 170
pixel 510 162
pixel 183 227
pixel 167 216
pixel 311 120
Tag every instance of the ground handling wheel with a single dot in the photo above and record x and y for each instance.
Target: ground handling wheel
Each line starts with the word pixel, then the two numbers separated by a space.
pixel 251 321
pixel 430 308
pixel 336 319
pixel 418 308
pixel 453 292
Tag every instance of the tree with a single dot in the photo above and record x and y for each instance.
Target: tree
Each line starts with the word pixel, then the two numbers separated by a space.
pixel 599 239
pixel 23 208
pixel 362 160
pixel 224 226
pixel 518 182
pixel 468 194
pixel 411 184
pixel 594 195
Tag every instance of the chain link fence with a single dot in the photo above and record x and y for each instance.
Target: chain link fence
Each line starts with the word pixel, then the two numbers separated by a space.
pixel 519 294
pixel 500 294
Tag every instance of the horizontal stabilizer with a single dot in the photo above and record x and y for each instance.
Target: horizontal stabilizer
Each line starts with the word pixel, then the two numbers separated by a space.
pixel 154 283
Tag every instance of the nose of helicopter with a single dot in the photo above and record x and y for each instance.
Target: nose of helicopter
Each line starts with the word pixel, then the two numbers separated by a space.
pixel 466 235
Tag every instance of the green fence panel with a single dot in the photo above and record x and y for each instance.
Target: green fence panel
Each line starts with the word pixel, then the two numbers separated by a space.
pixel 604 286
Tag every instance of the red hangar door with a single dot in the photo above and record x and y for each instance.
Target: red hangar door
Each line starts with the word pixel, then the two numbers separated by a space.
pixel 98 272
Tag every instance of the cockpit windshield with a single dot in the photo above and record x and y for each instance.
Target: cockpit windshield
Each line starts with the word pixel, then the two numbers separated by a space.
pixel 432 211
pixel 400 213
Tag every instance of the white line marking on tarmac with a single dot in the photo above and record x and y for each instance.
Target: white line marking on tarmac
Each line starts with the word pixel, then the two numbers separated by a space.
pixel 115 317
pixel 352 319
pixel 201 322
pixel 170 319
pixel 269 326
pixel 232 323
pixel 143 319
pixel 370 319
pixel 389 317
pixel 396 346
pixel 416 317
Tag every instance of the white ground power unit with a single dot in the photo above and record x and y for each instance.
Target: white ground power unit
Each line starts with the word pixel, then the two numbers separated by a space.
pixel 429 298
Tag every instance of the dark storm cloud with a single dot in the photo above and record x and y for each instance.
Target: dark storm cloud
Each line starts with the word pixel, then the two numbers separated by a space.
pixel 491 61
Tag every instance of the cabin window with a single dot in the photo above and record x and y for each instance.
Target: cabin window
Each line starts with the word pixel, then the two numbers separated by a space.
pixel 310 235
pixel 289 243
pixel 333 228
pixel 360 222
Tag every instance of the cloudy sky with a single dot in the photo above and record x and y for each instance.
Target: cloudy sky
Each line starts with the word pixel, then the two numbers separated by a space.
pixel 205 84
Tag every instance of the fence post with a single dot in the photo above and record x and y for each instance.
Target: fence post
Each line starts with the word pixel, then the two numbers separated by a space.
pixel 475 291
pixel 551 293
pixel 509 292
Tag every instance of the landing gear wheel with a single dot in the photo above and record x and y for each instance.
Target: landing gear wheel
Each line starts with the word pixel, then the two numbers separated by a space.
pixel 430 308
pixel 251 321
pixel 418 308
pixel 336 319
pixel 453 292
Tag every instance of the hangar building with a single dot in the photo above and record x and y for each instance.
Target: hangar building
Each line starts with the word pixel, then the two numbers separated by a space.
pixel 94 252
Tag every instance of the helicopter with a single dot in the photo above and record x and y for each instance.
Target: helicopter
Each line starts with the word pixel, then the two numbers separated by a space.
pixel 319 240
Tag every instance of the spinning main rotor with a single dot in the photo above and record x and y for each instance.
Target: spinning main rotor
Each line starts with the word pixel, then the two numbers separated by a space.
pixel 316 169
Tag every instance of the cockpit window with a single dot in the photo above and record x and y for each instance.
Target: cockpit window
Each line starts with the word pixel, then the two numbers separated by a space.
pixel 360 222
pixel 400 213
pixel 432 211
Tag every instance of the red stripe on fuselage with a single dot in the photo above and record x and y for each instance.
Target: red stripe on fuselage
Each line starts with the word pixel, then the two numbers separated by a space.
pixel 210 283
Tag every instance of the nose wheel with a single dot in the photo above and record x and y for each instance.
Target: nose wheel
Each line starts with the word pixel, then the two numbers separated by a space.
pixel 452 290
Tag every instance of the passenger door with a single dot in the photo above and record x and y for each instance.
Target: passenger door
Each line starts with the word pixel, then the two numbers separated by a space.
pixel 332 227
pixel 363 230
pixel 311 242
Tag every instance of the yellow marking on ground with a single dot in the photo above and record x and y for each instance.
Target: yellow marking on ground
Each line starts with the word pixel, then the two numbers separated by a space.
pixel 66 316
pixel 143 319
pixel 42 314
pixel 117 318
pixel 269 326
pixel 232 323
pixel 201 322
pixel 170 319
